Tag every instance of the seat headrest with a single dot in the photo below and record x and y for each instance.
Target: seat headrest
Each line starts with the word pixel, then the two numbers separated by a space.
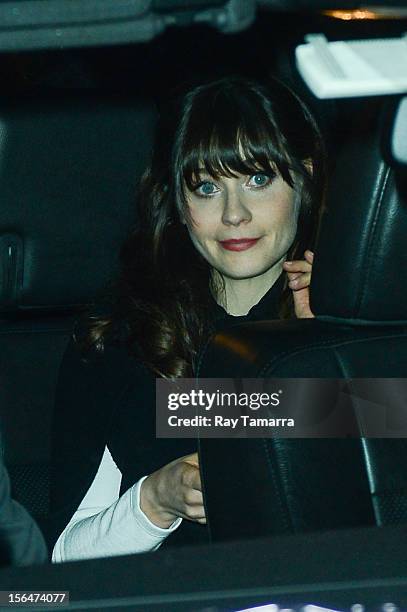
pixel 68 174
pixel 361 256
pixel 395 136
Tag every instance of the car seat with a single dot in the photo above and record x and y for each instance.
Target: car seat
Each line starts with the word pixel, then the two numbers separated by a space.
pixel 259 487
pixel 68 171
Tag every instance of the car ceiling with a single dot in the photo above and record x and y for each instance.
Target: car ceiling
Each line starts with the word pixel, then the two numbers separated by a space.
pixel 59 24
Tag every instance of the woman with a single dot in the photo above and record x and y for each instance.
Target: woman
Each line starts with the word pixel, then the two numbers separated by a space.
pixel 230 199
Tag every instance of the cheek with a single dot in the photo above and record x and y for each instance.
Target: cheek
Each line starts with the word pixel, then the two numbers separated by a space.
pixel 282 219
pixel 196 233
pixel 200 226
pixel 290 229
pixel 193 227
pixel 289 223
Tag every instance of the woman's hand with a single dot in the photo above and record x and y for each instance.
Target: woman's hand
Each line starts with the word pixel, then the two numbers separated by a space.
pixel 299 276
pixel 172 491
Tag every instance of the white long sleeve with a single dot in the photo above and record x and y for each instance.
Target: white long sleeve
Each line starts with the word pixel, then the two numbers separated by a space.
pixel 105 524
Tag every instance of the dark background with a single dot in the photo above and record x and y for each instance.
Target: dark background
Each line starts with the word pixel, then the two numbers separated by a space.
pixel 182 54
pixel 187 55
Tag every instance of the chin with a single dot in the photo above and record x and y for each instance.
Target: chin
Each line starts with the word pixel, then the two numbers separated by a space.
pixel 241 273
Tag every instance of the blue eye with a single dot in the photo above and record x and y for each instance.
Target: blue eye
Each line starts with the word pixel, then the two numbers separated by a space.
pixel 206 188
pixel 260 180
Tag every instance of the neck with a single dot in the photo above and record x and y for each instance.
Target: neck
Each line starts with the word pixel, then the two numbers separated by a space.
pixel 240 295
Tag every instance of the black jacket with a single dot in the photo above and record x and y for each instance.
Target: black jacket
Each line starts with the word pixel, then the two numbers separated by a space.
pixel 111 400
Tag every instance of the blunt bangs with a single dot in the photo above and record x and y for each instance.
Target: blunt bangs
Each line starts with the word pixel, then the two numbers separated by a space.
pixel 230 131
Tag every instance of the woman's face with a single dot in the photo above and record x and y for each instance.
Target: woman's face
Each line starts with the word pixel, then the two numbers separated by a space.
pixel 242 226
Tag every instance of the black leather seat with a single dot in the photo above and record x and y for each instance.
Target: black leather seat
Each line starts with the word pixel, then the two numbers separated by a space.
pixel 68 172
pixel 359 296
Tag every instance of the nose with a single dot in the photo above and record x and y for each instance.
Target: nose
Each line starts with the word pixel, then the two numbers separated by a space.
pixel 235 210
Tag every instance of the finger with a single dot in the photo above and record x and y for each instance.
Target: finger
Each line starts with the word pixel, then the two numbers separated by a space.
pixel 202 521
pixel 301 282
pixel 298 265
pixel 191 514
pixel 192 459
pixel 301 304
pixel 193 497
pixel 191 477
pixel 195 513
pixel 294 275
pixel 309 256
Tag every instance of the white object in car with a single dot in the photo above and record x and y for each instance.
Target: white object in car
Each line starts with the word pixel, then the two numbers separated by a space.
pixel 353 68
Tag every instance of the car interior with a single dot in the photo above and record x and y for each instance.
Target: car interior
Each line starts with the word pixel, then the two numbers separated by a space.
pixel 82 87
pixel 326 484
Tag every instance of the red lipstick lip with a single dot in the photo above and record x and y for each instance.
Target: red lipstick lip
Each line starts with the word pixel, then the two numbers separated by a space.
pixel 238 244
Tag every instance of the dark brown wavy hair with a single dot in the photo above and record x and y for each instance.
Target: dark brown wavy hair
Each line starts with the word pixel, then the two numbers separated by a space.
pixel 162 298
